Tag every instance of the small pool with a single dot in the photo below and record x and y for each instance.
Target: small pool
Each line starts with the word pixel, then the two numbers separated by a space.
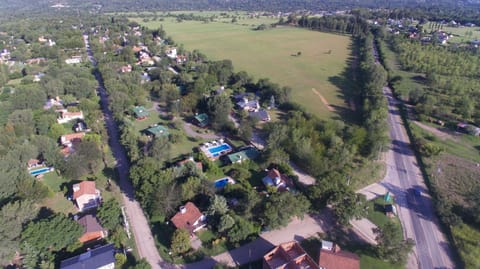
pixel 218 149
pixel 221 183
pixel 40 171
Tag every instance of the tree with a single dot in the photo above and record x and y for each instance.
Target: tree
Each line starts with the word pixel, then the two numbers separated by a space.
pixel 52 234
pixel 110 215
pixel 12 218
pixel 218 205
pixel 219 107
pixel 347 205
pixel 190 188
pixel 226 222
pixel 241 230
pixel 160 149
pixel 142 264
pixel 281 207
pixel 391 245
pixel 180 242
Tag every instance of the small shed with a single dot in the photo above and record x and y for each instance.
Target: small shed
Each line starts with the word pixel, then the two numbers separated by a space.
pixel 140 112
pixel 157 130
pixel 201 120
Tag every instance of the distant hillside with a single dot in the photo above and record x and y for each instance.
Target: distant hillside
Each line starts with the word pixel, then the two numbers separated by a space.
pixel 259 5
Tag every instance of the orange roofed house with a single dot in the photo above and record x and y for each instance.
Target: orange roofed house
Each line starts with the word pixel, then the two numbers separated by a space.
pixel 69 139
pixel 92 230
pixel 332 257
pixel 86 195
pixel 288 255
pixel 189 218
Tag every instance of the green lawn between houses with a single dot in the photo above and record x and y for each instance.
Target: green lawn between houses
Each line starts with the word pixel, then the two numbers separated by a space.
pixel 268 54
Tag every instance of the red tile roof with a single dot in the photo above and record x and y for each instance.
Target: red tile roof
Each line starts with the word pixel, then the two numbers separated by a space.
pixel 338 259
pixel 85 187
pixel 92 230
pixel 71 137
pixel 288 255
pixel 188 218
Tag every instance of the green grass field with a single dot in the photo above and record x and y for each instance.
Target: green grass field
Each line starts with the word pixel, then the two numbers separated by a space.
pixel 268 54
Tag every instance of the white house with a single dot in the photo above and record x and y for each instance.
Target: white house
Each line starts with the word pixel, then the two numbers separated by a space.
pixel 74 60
pixel 66 116
pixel 86 195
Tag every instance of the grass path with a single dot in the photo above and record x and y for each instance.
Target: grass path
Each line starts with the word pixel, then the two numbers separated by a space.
pixel 324 101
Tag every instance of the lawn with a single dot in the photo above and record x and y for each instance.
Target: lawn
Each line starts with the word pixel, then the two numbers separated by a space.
pixel 184 145
pixel 270 54
pixel 376 213
pixel 462 34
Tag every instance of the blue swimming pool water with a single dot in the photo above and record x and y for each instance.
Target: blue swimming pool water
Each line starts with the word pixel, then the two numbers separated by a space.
pixel 218 149
pixel 40 171
pixel 221 183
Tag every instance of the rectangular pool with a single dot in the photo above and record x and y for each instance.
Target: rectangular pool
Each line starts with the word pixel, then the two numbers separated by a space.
pixel 40 171
pixel 218 149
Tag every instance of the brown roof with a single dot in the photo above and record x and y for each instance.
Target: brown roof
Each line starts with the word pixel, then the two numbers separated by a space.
pixel 92 230
pixel 85 187
pixel 32 162
pixel 288 255
pixel 71 137
pixel 188 218
pixel 338 259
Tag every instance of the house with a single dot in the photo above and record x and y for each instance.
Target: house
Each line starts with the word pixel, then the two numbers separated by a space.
pixel 332 257
pixel 157 130
pixel 288 255
pixel 140 112
pixel 35 61
pixel 99 258
pixel 126 68
pixel 249 153
pixel 66 116
pixel 201 120
pixel 260 114
pixel 248 105
pixel 189 218
pixel 74 60
pixel 92 230
pixel 34 163
pixel 37 77
pixel 80 126
pixel 199 165
pixel 69 139
pixel 180 59
pixel 53 103
pixel 171 53
pixel 278 180
pixel 86 195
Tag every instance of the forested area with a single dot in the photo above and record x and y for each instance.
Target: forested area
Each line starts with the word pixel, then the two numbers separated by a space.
pixel 451 77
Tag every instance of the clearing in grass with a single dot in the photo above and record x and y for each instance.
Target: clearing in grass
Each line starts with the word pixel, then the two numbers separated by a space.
pixel 312 63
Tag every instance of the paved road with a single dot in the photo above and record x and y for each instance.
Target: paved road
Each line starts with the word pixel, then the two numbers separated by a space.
pixel 416 212
pixel 138 222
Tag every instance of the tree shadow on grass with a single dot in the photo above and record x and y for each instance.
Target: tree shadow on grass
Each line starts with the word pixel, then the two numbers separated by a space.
pixel 346 81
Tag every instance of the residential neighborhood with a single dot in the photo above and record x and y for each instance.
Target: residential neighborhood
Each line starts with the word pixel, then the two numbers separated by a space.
pixel 124 146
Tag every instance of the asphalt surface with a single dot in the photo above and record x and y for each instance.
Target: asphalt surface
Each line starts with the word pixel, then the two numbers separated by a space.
pixel 138 222
pixel 415 209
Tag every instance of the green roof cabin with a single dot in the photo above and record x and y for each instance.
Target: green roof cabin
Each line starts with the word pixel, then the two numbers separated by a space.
pixel 157 130
pixel 201 120
pixel 140 113
pixel 245 154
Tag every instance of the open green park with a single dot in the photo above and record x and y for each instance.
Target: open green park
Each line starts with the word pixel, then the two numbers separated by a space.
pixel 312 63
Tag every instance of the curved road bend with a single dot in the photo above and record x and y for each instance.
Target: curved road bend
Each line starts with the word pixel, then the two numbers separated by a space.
pixel 138 222
pixel 432 250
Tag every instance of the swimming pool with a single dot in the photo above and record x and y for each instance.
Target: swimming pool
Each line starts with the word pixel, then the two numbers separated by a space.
pixel 221 183
pixel 218 149
pixel 40 171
